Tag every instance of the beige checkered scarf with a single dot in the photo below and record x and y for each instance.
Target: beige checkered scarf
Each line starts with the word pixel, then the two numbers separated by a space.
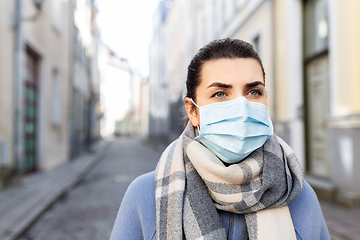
pixel 192 184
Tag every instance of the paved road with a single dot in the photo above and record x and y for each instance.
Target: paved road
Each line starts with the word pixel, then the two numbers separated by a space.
pixel 89 210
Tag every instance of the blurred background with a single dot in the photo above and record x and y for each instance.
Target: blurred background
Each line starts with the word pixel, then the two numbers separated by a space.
pixel 76 71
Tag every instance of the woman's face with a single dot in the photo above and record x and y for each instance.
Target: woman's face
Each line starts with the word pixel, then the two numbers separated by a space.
pixel 227 79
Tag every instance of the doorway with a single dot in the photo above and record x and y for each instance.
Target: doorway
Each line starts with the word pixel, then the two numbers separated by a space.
pixel 316 86
pixel 318 109
pixel 30 110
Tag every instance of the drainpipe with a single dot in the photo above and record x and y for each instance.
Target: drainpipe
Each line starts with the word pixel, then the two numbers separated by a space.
pixel 18 89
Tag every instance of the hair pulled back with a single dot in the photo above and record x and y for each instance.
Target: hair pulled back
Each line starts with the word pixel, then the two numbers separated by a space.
pixel 217 49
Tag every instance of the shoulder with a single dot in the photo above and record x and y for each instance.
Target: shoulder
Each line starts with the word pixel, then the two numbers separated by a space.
pixel 140 195
pixel 136 216
pixel 307 198
pixel 307 215
pixel 143 185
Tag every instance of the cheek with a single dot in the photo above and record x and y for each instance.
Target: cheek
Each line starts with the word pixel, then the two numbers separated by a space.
pixel 265 101
pixel 262 100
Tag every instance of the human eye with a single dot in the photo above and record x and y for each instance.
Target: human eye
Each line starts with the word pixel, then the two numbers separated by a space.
pixel 219 94
pixel 255 92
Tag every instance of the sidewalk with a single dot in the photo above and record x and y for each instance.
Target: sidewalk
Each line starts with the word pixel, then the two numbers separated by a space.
pixel 343 223
pixel 22 204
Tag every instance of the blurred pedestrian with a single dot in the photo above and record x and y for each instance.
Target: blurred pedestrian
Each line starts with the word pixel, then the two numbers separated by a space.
pixel 227 176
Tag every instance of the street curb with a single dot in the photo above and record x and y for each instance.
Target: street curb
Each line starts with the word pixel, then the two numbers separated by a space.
pixel 51 197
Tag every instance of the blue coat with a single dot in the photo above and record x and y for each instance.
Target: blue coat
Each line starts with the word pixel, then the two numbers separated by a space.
pixel 136 218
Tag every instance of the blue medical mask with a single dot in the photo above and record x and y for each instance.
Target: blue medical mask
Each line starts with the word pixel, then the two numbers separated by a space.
pixel 234 129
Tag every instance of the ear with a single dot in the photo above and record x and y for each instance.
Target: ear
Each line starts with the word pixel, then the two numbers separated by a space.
pixel 192 112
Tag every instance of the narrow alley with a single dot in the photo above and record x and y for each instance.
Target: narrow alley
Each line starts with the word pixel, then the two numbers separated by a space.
pixel 87 208
pixel 88 211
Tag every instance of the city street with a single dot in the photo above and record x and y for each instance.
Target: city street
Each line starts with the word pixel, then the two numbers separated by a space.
pixel 85 84
pixel 89 210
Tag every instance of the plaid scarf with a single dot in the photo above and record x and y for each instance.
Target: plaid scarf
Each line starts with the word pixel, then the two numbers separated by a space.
pixel 191 184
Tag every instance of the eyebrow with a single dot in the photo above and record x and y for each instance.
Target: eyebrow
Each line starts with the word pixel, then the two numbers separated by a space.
pixel 253 84
pixel 223 85
pixel 219 84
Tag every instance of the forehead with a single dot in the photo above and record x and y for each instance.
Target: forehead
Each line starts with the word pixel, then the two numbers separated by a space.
pixel 232 69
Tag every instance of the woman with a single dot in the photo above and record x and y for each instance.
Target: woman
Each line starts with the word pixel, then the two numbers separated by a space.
pixel 227 176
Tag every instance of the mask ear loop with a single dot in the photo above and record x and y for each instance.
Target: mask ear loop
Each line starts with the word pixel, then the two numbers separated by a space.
pixel 194 103
pixel 197 127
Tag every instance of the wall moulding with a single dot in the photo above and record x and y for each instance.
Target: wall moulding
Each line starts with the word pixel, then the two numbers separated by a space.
pixel 347 122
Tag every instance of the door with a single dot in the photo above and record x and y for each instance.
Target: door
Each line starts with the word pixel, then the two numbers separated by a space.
pixel 30 112
pixel 318 109
pixel 316 47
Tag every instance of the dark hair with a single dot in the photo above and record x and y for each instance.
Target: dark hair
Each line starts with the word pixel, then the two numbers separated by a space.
pixel 217 49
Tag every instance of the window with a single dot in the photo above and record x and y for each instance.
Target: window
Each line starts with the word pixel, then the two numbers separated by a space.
pixel 4 157
pixel 75 42
pixel 240 4
pixel 229 11
pixel 256 44
pixel 56 14
pixel 56 98
pixel 316 27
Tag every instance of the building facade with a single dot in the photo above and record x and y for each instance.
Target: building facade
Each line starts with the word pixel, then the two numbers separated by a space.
pixel 115 92
pixel 84 110
pixel 124 96
pixel 309 53
pixel 36 79
pixel 158 80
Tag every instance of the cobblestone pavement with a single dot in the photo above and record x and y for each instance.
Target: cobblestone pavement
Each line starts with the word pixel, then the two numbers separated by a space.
pixel 89 210
pixel 343 223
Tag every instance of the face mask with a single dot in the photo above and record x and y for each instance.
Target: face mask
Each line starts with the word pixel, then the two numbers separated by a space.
pixel 234 129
